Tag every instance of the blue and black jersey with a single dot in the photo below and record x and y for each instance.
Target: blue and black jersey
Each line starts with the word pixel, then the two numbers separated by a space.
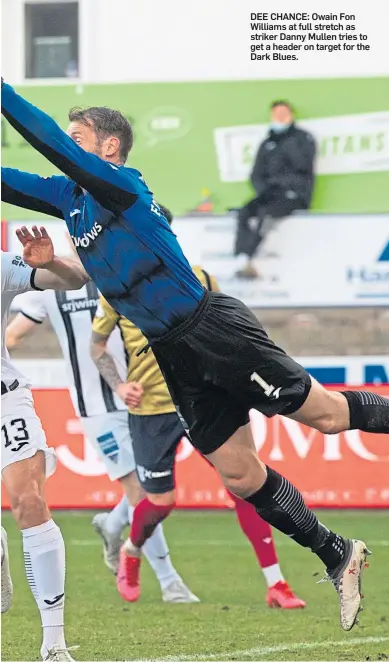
pixel 121 236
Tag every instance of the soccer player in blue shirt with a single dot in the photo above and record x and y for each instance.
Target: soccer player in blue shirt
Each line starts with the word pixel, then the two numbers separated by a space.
pixel 215 356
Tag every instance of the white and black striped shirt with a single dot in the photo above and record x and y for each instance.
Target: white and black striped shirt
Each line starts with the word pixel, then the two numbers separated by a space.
pixel 71 314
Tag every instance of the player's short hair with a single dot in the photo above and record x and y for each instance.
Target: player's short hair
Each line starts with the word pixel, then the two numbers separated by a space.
pixel 106 122
pixel 282 102
pixel 167 213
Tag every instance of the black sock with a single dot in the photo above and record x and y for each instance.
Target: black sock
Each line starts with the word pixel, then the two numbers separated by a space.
pixel 368 411
pixel 281 504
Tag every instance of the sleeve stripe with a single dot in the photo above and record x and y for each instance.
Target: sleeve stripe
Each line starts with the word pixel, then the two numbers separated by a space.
pixel 32 281
pixel 31 318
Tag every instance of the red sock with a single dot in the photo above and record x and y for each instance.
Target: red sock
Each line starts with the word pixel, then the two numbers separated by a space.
pixel 257 531
pixel 146 518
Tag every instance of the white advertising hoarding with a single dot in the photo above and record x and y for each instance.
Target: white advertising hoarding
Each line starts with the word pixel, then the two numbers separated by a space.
pixel 307 260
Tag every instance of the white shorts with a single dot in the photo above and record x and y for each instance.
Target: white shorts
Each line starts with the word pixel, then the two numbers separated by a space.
pixel 110 436
pixel 22 434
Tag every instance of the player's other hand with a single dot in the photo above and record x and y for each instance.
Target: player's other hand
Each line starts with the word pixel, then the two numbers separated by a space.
pixel 38 247
pixel 131 393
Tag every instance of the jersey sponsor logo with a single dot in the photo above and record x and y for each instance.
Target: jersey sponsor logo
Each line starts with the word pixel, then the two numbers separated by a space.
pixel 18 261
pixel 87 237
pixel 77 305
pixel 269 390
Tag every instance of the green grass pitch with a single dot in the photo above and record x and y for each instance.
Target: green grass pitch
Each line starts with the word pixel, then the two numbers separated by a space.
pixel 231 623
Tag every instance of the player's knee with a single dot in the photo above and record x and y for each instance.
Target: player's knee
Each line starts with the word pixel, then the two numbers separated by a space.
pixel 329 424
pixel 242 475
pixel 29 507
pixel 165 499
pixel 242 482
pixel 241 486
pixel 335 417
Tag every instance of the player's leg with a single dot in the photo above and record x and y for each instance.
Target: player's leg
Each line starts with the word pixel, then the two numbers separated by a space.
pixel 119 461
pixel 155 440
pixel 278 501
pixel 157 553
pixel 244 369
pixel 116 519
pixel 279 385
pixel 336 411
pixel 110 525
pixel 260 535
pixel 26 461
pixel 109 435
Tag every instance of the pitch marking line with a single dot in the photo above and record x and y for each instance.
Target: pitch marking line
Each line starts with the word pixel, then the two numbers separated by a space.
pixel 269 650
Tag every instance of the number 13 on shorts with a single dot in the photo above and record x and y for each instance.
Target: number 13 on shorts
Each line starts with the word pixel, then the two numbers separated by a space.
pixel 15 434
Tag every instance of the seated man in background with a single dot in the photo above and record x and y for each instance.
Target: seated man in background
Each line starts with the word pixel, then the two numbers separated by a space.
pixel 156 432
pixel 283 181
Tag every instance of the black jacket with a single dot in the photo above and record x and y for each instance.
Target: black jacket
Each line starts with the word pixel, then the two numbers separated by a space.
pixel 285 163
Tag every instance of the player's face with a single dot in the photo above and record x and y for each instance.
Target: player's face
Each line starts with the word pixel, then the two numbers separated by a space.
pixel 84 136
pixel 281 115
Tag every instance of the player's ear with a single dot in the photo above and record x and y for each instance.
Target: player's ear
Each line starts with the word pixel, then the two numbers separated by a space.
pixel 112 146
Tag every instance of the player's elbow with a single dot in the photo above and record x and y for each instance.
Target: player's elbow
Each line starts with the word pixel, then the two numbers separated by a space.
pixel 11 340
pixel 78 280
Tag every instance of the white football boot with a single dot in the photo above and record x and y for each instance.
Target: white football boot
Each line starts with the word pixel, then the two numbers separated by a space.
pixel 111 544
pixel 347 580
pixel 6 581
pixel 58 654
pixel 178 592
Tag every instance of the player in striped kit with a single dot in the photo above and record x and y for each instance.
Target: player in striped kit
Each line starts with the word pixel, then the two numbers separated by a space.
pixel 103 414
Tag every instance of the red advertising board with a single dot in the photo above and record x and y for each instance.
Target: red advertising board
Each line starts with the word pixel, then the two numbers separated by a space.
pixel 350 469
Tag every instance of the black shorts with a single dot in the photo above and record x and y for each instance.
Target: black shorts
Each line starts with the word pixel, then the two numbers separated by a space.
pixel 155 440
pixel 219 364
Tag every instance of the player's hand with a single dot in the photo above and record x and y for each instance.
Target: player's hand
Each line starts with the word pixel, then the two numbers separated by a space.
pixel 38 247
pixel 131 393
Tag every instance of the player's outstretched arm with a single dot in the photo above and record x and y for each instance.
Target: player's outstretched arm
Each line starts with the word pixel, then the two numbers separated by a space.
pixel 110 185
pixel 49 195
pixel 52 272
